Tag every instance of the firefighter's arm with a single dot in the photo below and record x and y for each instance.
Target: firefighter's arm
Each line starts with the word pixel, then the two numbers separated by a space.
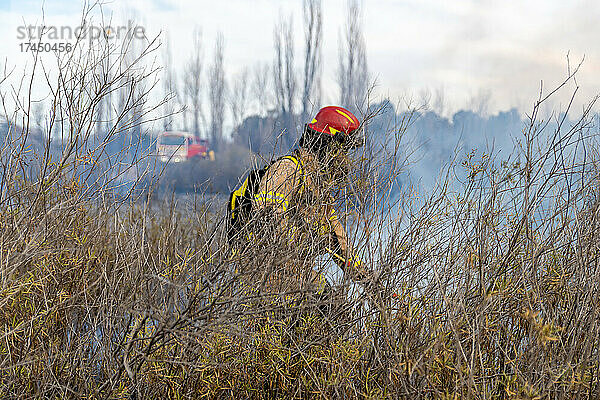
pixel 343 253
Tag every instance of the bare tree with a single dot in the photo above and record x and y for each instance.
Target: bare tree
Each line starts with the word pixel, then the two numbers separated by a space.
pixel 353 71
pixel 311 92
pixel 256 132
pixel 37 111
pixel 193 82
pixel 439 102
pixel 126 95
pixel 238 97
pixel 171 89
pixel 216 88
pixel 480 102
pixel 285 76
pixel 103 109
pixel 261 88
pixel 131 96
pixel 424 101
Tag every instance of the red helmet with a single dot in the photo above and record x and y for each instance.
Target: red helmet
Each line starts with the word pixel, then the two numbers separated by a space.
pixel 336 122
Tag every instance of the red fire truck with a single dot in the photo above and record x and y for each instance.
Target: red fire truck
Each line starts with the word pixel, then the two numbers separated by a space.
pixel 176 146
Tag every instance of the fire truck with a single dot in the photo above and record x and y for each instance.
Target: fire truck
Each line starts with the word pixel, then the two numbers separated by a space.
pixel 177 146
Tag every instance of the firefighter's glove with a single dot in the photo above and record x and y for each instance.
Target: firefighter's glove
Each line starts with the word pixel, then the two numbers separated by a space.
pixel 353 263
pixel 354 268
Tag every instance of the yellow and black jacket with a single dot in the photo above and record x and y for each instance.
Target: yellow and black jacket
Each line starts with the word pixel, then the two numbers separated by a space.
pixel 239 206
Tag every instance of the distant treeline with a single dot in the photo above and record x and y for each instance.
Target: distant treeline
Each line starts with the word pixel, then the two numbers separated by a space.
pixel 429 142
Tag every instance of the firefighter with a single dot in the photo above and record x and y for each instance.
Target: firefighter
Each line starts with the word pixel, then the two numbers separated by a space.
pixel 295 195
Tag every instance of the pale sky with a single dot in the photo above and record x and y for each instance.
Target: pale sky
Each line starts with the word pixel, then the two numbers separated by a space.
pixel 468 49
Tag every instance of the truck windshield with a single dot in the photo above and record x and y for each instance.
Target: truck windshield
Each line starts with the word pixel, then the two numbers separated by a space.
pixel 173 140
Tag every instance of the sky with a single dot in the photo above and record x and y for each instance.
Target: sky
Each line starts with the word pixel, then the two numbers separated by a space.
pixel 502 51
